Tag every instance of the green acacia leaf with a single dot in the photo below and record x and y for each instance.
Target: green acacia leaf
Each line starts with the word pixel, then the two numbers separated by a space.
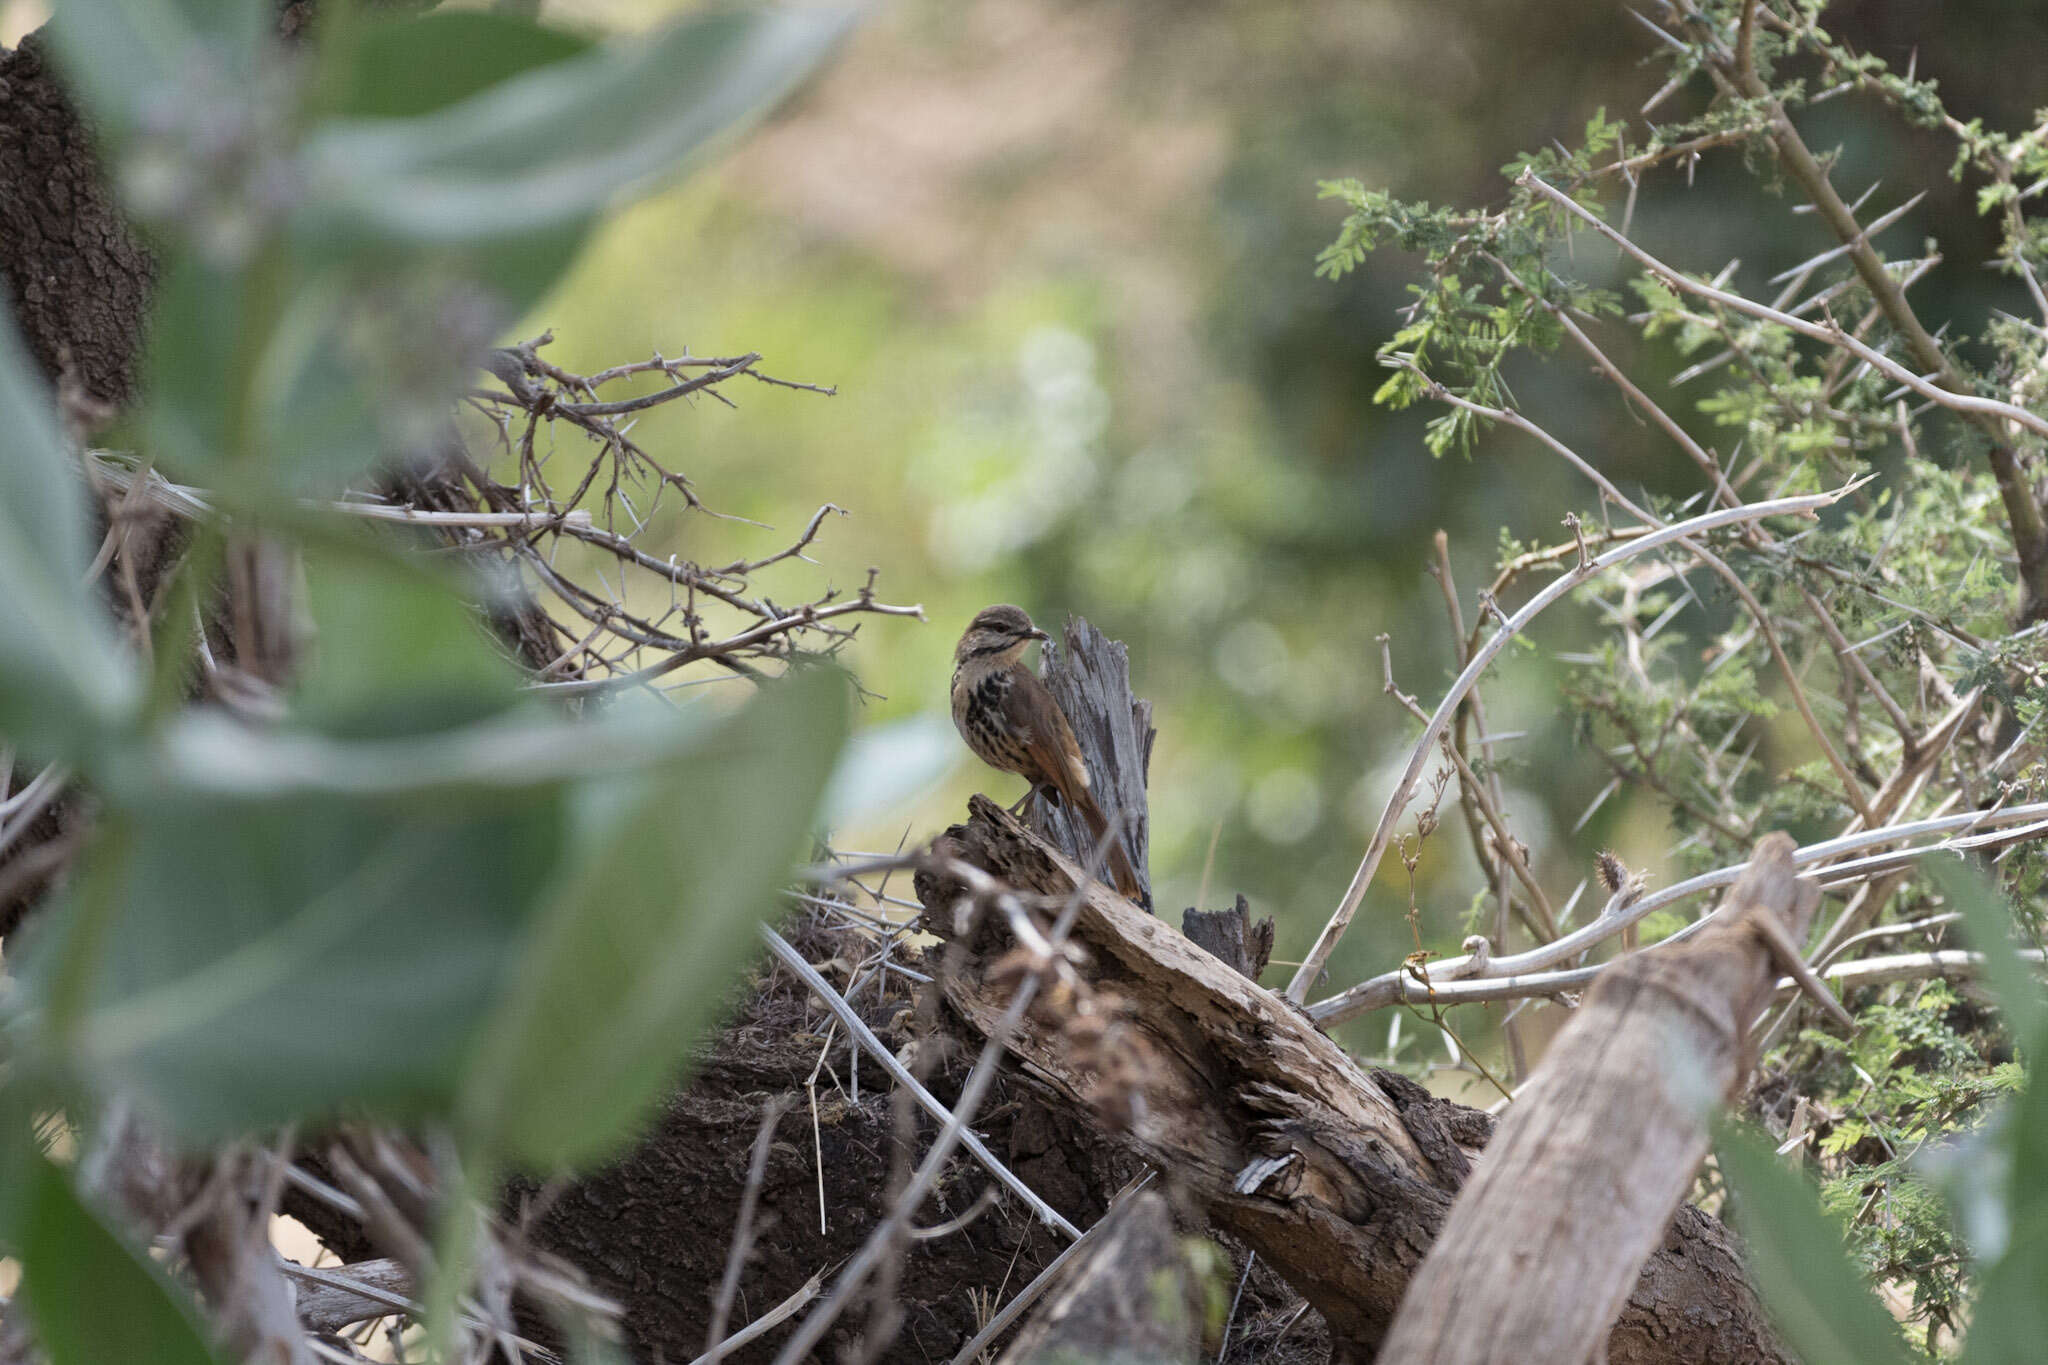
pixel 415 66
pixel 281 958
pixel 134 57
pixel 64 677
pixel 673 867
pixel 399 652
pixel 543 150
pixel 1818 1300
pixel 94 1299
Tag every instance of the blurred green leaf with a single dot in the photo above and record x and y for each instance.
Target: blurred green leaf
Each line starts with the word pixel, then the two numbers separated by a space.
pixel 887 765
pixel 279 958
pixel 1972 1171
pixel 543 150
pixel 316 405
pixel 397 652
pixel 92 1298
pixel 63 674
pixel 2009 1320
pixel 189 367
pixel 673 866
pixel 415 66
pixel 134 57
pixel 1990 923
pixel 1816 1296
pixel 299 924
pixel 212 755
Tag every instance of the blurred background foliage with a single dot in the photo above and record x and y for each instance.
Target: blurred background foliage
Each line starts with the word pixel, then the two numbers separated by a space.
pixel 1059 259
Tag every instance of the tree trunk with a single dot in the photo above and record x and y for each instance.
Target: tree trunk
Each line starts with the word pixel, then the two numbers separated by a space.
pixel 77 280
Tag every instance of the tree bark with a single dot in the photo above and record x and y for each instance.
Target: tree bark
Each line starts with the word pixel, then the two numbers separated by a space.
pixel 77 279
pixel 1338 1179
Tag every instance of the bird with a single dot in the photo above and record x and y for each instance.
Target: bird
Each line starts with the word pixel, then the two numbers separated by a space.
pixel 1011 721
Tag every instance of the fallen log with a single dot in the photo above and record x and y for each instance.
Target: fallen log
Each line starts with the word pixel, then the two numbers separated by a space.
pixel 1339 1179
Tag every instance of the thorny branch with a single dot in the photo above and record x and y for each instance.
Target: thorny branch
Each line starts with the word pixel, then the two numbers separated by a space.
pixel 641 617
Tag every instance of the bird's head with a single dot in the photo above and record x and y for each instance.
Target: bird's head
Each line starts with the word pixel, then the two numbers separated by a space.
pixel 998 634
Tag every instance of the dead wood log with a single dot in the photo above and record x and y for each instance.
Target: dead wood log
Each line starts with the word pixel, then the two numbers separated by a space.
pixel 1091 680
pixel 1131 1297
pixel 1582 1178
pixel 1337 1179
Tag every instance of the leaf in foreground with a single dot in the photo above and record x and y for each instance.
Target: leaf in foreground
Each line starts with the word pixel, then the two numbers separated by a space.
pixel 654 917
pixel 1817 1298
pixel 93 1299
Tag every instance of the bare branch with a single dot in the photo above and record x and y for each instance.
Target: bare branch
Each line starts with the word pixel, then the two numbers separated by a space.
pixel 1326 942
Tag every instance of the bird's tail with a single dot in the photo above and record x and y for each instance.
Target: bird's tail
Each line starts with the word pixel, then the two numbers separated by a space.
pixel 1122 874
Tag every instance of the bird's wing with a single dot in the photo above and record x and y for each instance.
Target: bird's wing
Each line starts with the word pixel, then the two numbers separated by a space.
pixel 1035 717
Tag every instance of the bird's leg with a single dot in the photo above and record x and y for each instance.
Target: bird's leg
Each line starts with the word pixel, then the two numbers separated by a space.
pixel 1017 809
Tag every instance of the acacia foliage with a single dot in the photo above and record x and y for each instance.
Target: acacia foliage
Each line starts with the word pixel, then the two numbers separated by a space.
pixel 1889 664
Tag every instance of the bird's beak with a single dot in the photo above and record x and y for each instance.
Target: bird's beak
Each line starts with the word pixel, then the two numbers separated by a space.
pixel 1041 635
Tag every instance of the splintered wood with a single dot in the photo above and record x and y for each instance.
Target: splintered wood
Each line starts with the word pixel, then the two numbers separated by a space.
pixel 1089 675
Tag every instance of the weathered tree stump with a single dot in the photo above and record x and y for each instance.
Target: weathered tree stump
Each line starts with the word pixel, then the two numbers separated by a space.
pixel 1091 680
pixel 1231 937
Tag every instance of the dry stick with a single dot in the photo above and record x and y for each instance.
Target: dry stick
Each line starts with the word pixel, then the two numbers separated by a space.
pixel 384 1301
pixel 971 1095
pixel 1473 987
pixel 743 1230
pixel 1458 976
pixel 774 1317
pixel 188 501
pixel 1475 712
pixel 1526 1265
pixel 1851 789
pixel 22 809
pixel 865 1036
pixel 1951 964
pixel 817 1135
pixel 1029 1294
pixel 1230 1318
pixel 365 1291
pixel 1326 942
pixel 878 1243
pixel 796 620
pixel 1899 790
pixel 1539 916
